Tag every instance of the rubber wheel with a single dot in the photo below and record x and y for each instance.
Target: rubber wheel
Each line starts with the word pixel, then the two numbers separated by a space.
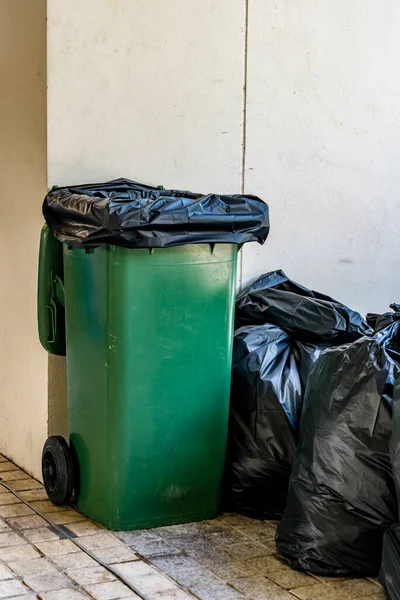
pixel 57 470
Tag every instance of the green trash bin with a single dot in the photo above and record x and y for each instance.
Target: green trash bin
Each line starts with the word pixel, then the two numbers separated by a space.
pixel 148 344
pixel 142 306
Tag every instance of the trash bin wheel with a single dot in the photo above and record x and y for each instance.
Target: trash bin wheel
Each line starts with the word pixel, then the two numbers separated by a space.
pixel 57 470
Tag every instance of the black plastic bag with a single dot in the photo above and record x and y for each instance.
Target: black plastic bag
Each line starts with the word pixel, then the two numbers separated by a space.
pixel 125 213
pixel 341 492
pixel 307 315
pixel 390 571
pixel 378 322
pixel 268 377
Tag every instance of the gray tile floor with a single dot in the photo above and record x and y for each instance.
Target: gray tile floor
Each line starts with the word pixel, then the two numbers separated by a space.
pixel 230 558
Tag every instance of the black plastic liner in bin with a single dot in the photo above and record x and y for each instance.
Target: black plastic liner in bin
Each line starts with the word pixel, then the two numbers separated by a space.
pixel 266 398
pixel 126 213
pixel 341 492
pixel 307 315
pixel 269 376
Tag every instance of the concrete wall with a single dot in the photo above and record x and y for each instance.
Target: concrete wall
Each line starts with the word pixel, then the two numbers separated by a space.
pixel 23 364
pixel 323 132
pixel 154 91
pixel 147 90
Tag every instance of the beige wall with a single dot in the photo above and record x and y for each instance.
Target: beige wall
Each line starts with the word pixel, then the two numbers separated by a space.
pixel 23 364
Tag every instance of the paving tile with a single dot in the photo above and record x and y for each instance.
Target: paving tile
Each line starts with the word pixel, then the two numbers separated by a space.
pixel 14 475
pixel 90 575
pixel 115 554
pixel 259 588
pixel 14 553
pixel 325 579
pixel 156 548
pixel 267 563
pixel 100 541
pixel 174 531
pixel 32 495
pixel 379 596
pixel 258 532
pixel 225 537
pixel 228 568
pixel 174 564
pixel 25 597
pixel 15 510
pixel 195 577
pixel 173 595
pixel 36 566
pixel 132 570
pixel 8 498
pixel 12 587
pixel 184 570
pixel 148 544
pixel 29 522
pixel 321 591
pixel 73 561
pixel 9 538
pixel 150 585
pixel 219 592
pixel 187 543
pixel 353 588
pixel 133 537
pixel 26 484
pixel 289 579
pixel 65 517
pixel 84 528
pixel 47 582
pixel 47 507
pixel 41 534
pixel 57 547
pixel 247 550
pixel 66 594
pixel 4 526
pixel 111 590
pixel 146 579
pixel 257 528
pixel 3 458
pixel 6 465
pixel 236 520
pixel 214 555
pixel 6 573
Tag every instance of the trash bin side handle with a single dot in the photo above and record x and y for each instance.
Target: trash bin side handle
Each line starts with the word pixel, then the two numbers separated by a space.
pixel 51 296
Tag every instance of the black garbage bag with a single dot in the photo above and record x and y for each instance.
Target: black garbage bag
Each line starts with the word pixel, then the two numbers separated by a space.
pixel 268 377
pixel 341 492
pixel 378 322
pixel 307 315
pixel 126 213
pixel 389 575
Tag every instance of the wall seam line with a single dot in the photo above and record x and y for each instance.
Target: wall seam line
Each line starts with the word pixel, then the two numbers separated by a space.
pixel 244 118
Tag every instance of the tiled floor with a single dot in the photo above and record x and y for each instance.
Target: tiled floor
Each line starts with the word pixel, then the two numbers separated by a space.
pixel 231 558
